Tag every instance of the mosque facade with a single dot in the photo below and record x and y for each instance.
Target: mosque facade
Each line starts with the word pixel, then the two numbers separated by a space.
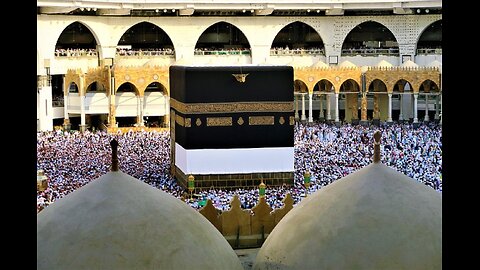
pixel 104 64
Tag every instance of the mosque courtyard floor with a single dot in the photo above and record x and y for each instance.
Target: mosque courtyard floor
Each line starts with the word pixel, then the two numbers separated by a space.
pixel 247 257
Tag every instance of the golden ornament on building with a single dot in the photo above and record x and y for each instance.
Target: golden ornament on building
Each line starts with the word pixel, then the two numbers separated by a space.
pixel 240 121
pixel 240 77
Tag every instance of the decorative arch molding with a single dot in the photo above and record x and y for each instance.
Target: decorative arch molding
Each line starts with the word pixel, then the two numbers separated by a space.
pixel 141 77
pixel 162 85
pixel 336 75
pixel 375 83
pixel 424 28
pixel 99 74
pixel 76 76
pixel 90 25
pixel 327 82
pixel 391 75
pixel 303 87
pixel 153 22
pixel 354 83
pixel 401 83
pixel 279 28
pixel 405 28
pixel 385 23
pixel 427 86
pixel 204 28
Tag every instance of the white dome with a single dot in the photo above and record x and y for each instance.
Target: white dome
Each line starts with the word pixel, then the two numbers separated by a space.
pixel 437 64
pixel 119 222
pixel 409 63
pixel 364 69
pixel 320 64
pixel 347 64
pixel 375 218
pixel 384 63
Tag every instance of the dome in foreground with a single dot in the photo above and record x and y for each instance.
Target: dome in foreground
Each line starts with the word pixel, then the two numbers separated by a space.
pixel 119 222
pixel 375 218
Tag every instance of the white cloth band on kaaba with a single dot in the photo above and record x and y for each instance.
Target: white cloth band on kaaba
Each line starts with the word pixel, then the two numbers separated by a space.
pixel 234 160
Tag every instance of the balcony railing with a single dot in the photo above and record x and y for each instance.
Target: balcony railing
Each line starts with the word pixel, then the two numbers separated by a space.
pixel 159 52
pixel 371 51
pixel 429 51
pixel 297 51
pixel 76 53
pixel 222 52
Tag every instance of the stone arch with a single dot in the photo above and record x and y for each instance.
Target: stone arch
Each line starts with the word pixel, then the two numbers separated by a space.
pixel 77 77
pixel 156 86
pixel 72 87
pixel 377 85
pixel 79 24
pixel 388 32
pixel 160 40
pixel 141 77
pixel 349 85
pixel 324 85
pixel 378 89
pixel 399 85
pixel 428 86
pixel 279 40
pixel 349 90
pixel 93 87
pixel 127 87
pixel 429 28
pixel 227 24
pixel 300 86
pixel 48 33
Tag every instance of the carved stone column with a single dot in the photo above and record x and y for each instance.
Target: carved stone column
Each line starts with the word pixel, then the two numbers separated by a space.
pixel 389 119
pixel 401 88
pixel 303 108
pixel 376 111
pixel 310 109
pixel 400 102
pixel 415 113
pixel 140 111
pixel 337 116
pixel 66 120
pixel 327 100
pixel 320 97
pixel 363 107
pixel 112 111
pixel 426 119
pixel 83 126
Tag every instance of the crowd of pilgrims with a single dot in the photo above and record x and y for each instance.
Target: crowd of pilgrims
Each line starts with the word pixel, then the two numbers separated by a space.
pixel 73 159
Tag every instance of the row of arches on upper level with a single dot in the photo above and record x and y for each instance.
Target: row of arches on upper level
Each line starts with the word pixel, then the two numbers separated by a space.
pixel 322 86
pixel 222 35
pixel 98 87
pixel 376 86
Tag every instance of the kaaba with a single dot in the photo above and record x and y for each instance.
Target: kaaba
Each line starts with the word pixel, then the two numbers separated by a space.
pixel 232 126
